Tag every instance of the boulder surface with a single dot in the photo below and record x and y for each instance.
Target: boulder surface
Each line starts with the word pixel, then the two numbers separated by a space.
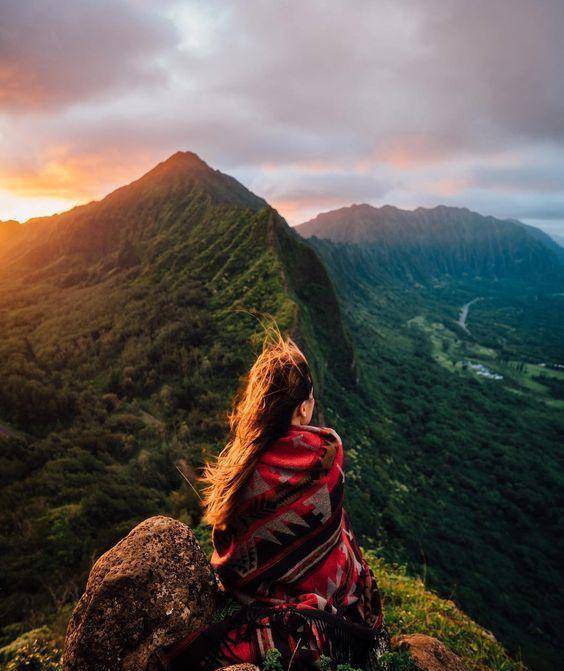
pixel 428 653
pixel 151 589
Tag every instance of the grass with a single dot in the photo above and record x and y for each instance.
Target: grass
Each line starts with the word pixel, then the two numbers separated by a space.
pixel 448 349
pixel 409 608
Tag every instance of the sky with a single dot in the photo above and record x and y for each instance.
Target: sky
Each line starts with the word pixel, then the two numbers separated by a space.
pixel 312 104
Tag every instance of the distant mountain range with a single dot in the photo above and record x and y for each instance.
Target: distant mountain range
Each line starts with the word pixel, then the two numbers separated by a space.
pixel 440 241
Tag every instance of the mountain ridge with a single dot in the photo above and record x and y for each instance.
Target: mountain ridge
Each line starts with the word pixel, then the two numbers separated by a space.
pixel 431 241
pixel 182 176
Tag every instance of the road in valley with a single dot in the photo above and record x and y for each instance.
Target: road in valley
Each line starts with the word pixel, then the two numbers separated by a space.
pixel 464 314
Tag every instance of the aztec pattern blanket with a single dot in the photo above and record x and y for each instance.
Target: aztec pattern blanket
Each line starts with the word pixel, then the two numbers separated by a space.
pixel 291 560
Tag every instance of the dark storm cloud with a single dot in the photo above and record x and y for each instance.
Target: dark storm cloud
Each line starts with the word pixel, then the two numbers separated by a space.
pixel 53 53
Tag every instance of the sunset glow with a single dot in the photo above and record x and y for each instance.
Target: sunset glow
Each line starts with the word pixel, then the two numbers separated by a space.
pixel 406 102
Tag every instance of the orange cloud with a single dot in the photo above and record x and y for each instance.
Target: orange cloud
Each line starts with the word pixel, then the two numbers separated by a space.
pixel 404 152
pixel 61 175
pixel 448 186
pixel 60 180
pixel 14 91
pixel 299 209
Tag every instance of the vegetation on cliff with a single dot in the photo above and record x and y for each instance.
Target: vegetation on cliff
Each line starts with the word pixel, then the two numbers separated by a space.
pixel 470 493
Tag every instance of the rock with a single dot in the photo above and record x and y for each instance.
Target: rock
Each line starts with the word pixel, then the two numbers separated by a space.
pixel 428 653
pixel 152 588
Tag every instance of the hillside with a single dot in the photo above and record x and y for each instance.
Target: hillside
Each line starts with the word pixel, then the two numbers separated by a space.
pixel 126 324
pixel 440 241
pixel 410 608
pixel 462 444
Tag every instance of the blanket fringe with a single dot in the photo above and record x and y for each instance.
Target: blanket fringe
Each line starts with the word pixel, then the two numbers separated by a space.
pixel 349 643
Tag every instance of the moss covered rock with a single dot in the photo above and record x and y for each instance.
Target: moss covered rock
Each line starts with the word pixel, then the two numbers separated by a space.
pixel 153 587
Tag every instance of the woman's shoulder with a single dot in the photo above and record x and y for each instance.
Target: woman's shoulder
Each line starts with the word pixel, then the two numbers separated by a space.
pixel 318 434
pixel 303 447
pixel 323 440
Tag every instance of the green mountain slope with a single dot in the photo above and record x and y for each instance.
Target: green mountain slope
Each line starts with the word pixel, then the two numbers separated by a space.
pixel 125 326
pixel 475 501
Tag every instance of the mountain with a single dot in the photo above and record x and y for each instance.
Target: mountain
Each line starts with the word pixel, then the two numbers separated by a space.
pixel 10 232
pixel 102 229
pixel 440 241
pixel 181 211
pixel 460 402
pixel 126 325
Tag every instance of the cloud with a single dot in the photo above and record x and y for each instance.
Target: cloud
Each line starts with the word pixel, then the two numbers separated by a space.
pixel 311 104
pixel 502 60
pixel 301 190
pixel 456 75
pixel 64 175
pixel 543 176
pixel 55 53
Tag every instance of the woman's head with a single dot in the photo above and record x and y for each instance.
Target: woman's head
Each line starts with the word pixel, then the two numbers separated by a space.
pixel 277 392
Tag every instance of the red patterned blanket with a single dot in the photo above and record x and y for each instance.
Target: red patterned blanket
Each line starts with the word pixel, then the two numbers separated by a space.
pixel 291 558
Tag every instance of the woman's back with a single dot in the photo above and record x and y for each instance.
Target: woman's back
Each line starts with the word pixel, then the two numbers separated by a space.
pixel 290 540
pixel 289 556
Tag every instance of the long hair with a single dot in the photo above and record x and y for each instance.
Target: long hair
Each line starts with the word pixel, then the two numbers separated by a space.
pixel 279 380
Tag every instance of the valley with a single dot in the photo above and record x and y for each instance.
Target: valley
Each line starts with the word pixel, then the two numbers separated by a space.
pixel 459 407
pixel 126 325
pixel 463 354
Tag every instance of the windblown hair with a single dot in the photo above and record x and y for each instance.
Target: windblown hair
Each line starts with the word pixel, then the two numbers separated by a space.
pixel 279 380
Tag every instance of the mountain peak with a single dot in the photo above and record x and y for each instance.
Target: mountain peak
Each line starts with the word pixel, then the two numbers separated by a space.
pixel 184 156
pixel 181 162
pixel 10 230
pixel 139 210
pixel 359 206
pixel 188 159
pixel 180 174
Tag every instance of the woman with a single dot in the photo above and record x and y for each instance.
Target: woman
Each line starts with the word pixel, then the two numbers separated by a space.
pixel 283 545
